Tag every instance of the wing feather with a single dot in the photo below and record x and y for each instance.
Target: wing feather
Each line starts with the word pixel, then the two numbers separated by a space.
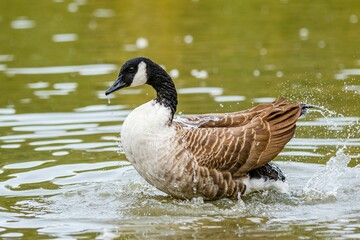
pixel 241 141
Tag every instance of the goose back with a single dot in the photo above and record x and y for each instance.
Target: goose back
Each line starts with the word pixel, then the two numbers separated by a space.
pixel 241 141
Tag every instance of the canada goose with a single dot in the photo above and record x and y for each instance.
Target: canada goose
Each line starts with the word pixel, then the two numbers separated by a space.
pixel 210 155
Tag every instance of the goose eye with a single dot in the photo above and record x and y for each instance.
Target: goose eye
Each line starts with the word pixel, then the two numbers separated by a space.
pixel 131 70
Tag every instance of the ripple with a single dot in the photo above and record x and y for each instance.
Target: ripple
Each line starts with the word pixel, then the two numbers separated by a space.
pixel 104 13
pixel 69 86
pixel 233 98
pixel 54 127
pixel 213 91
pixel 76 146
pixel 45 94
pixel 37 143
pixel 95 108
pixel 38 85
pixel 12 235
pixel 91 69
pixel 6 57
pixel 51 173
pixel 300 153
pixel 355 88
pixel 264 100
pixel 65 37
pixel 62 118
pixel 25 165
pixel 7 111
pixel 345 73
pixel 22 23
pixel 201 74
pixel 324 142
pixel 60 153
pixel 10 146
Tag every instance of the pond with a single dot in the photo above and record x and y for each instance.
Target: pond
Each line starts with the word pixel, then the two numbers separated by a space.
pixel 62 173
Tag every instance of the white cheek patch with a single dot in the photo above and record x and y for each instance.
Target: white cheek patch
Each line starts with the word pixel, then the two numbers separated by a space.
pixel 140 77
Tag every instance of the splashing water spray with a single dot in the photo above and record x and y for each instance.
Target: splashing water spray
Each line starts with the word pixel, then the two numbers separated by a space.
pixel 325 184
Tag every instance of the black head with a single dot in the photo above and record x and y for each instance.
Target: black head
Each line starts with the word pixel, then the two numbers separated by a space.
pixel 139 71
pixel 134 72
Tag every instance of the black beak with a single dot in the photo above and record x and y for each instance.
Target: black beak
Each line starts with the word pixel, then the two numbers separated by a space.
pixel 118 84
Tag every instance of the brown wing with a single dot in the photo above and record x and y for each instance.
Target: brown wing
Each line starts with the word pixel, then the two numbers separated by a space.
pixel 241 141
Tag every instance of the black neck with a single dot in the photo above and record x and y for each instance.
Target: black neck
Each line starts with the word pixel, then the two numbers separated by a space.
pixel 165 89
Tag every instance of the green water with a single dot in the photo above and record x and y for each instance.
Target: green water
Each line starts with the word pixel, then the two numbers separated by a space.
pixel 62 174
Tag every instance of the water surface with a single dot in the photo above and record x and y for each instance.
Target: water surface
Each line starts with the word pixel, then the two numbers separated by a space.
pixel 62 173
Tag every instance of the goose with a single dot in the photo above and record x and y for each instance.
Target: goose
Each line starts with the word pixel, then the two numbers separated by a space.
pixel 212 156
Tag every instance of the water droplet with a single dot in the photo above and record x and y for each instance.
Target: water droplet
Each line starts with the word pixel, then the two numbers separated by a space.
pixel 174 73
pixel 263 51
pixel 256 72
pixel 104 13
pixel 142 43
pixel 109 100
pixel 304 34
pixel 201 74
pixel 321 44
pixel 188 39
pixel 279 74
pixel 353 18
pixel 73 7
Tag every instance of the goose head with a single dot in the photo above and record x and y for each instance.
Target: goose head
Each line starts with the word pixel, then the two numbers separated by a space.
pixel 140 71
pixel 133 73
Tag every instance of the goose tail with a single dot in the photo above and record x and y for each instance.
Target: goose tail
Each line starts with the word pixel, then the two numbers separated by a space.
pixel 268 176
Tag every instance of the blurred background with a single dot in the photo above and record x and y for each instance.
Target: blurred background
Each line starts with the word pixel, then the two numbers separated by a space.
pixel 59 134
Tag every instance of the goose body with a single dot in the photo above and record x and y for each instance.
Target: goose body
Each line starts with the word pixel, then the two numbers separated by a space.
pixel 211 155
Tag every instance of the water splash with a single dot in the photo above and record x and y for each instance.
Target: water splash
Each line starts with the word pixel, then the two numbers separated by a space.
pixel 325 112
pixel 325 184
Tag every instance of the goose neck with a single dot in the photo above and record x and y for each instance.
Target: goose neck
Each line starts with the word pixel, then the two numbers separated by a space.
pixel 166 92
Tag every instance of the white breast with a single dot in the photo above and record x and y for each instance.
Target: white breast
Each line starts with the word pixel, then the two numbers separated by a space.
pixel 146 139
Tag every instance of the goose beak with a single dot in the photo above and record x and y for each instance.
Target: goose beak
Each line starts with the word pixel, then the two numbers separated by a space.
pixel 118 84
